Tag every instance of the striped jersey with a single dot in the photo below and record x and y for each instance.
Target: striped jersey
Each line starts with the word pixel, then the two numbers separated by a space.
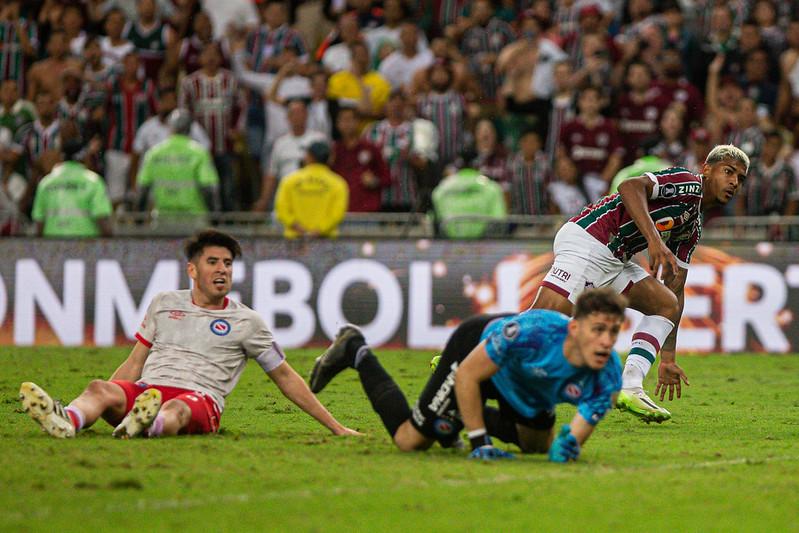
pixel 750 140
pixel 674 206
pixel 529 182
pixel 33 139
pixel 768 190
pixel 190 50
pixel 128 108
pixel 265 43
pixel 448 112
pixel 396 143
pixel 216 103
pixel 564 109
pixel 488 39
pixel 151 45
pixel 13 63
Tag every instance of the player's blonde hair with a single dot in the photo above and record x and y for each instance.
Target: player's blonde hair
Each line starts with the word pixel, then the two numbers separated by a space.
pixel 727 151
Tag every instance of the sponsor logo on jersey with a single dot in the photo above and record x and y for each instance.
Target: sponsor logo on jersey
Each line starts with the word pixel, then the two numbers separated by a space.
pixel 573 391
pixel 668 190
pixel 561 274
pixel 443 426
pixel 441 400
pixel 177 315
pixel 665 224
pixel 511 330
pixel 539 372
pixel 220 327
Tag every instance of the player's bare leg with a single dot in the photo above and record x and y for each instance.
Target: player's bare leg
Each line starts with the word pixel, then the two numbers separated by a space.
pixel 409 439
pixel 177 415
pixel 550 299
pixel 100 399
pixel 661 311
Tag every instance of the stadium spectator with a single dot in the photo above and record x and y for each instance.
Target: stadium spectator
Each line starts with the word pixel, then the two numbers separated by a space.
pixel 698 148
pixel 288 151
pixel 96 74
pixel 402 64
pixel 675 88
pixel 388 34
pixel 213 97
pixel 45 74
pixel 71 201
pixel 720 38
pixel 264 46
pixel 156 129
pixel 360 162
pixel 164 9
pixel 590 24
pixel 745 131
pixel 446 51
pixel 173 383
pixel 338 55
pixel 755 81
pixel 151 36
pixel 131 101
pixel 20 43
pixel 74 23
pixel 592 142
pixel 565 193
pixel 771 187
pixel 394 137
pixel 231 16
pixel 114 44
pixel 564 107
pixel 488 357
pixel 359 85
pixel 789 77
pixel 764 14
pixel 670 144
pixel 35 138
pixel 468 205
pixel 14 111
pixel 529 177
pixel 638 109
pixel 191 47
pixel 595 67
pixel 445 108
pixel 312 201
pixel 488 156
pixel 178 175
pixel 319 108
pixel 482 43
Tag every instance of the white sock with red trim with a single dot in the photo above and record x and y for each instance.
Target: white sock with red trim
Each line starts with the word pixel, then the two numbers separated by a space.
pixel 77 417
pixel 647 340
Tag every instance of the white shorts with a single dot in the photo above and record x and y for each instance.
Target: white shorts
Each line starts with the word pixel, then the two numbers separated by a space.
pixel 117 166
pixel 583 262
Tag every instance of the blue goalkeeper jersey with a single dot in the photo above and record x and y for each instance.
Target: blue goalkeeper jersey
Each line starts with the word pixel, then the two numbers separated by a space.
pixel 534 375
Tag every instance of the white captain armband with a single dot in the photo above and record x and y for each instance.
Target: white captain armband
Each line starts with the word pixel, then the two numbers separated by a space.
pixel 656 188
pixel 272 358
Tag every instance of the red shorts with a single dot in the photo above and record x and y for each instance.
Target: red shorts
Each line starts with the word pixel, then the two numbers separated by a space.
pixel 204 411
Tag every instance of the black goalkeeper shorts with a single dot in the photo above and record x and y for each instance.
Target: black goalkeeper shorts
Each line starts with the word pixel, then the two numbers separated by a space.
pixel 436 414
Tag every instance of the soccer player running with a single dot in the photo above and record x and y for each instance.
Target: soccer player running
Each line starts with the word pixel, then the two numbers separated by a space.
pixel 659 212
pixel 528 362
pixel 192 348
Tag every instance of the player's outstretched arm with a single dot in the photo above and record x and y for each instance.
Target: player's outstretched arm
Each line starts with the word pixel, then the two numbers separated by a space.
pixel 131 369
pixel 670 375
pixel 635 194
pixel 295 389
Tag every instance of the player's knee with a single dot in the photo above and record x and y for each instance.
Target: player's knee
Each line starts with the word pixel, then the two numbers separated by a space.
pixel 534 447
pixel 408 439
pixel 178 410
pixel 669 306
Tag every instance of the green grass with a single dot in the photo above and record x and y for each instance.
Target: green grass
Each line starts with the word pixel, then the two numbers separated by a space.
pixel 729 461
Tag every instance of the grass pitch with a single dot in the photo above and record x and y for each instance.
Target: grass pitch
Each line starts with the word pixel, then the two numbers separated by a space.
pixel 729 461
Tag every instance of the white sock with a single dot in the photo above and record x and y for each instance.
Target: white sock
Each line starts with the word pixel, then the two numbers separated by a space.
pixel 647 340
pixel 78 418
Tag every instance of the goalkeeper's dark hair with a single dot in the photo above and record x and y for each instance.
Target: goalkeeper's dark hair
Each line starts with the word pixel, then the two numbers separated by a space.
pixel 605 301
pixel 195 244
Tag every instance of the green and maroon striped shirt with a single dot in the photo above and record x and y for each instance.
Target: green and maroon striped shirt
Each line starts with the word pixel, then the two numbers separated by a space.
pixel 674 206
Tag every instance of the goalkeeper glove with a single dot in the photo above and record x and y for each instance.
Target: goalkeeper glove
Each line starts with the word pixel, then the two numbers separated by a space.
pixel 564 448
pixel 483 448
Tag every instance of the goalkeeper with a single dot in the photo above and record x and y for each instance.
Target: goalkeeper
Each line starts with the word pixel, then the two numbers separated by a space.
pixel 528 362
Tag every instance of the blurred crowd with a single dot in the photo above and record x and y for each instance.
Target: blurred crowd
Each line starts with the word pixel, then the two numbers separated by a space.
pixel 547 99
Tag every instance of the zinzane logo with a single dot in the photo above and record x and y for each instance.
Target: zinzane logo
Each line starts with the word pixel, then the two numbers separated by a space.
pixel 220 327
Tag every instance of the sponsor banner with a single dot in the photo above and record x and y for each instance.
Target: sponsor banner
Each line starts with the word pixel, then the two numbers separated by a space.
pixel 401 292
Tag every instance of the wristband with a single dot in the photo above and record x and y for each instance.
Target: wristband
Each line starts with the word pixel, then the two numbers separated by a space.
pixel 478 438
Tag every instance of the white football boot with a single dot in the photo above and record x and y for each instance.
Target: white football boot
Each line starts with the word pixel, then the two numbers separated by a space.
pixel 636 402
pixel 145 409
pixel 48 413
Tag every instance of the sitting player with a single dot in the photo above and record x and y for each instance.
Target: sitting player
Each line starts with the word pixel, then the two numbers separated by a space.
pixel 659 212
pixel 527 362
pixel 192 348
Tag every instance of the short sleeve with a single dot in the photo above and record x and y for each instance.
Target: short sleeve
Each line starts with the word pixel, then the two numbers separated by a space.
pixel 594 407
pixel 147 330
pixel 260 345
pixel 207 176
pixel 501 337
pixel 101 205
pixel 675 184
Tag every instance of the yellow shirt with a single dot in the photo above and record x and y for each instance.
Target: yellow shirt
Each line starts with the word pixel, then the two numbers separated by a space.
pixel 313 197
pixel 344 85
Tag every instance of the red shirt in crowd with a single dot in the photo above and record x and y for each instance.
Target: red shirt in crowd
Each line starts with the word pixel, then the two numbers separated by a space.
pixel 638 121
pixel 352 163
pixel 590 148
